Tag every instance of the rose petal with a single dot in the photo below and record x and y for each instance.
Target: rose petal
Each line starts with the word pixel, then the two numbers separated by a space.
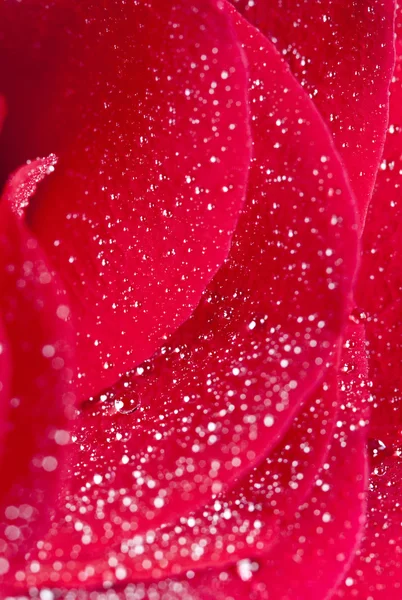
pixel 228 385
pixel 375 573
pixel 252 349
pixel 3 111
pixel 5 378
pixel 314 554
pixel 23 183
pixel 245 520
pixel 145 106
pixel 248 518
pixel 378 291
pixel 275 489
pixel 343 54
pixel 36 398
pixel 307 563
pixel 353 376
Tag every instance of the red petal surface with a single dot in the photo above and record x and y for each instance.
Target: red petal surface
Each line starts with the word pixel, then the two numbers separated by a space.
pixel 376 571
pixel 144 103
pixel 342 53
pixel 3 111
pixel 307 562
pixel 244 521
pixel 23 183
pixel 380 280
pixel 35 398
pixel 5 378
pixel 229 382
pixel 227 386
pixel 353 376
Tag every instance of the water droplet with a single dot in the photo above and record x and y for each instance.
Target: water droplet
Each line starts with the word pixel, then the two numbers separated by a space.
pixel 246 568
pixel 127 404
pixel 357 316
pixel 379 450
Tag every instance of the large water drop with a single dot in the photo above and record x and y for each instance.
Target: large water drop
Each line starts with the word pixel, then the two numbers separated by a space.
pixel 127 404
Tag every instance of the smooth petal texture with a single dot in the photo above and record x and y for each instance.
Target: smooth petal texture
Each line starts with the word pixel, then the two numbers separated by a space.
pixel 5 378
pixel 3 111
pixel 145 105
pixel 226 388
pixel 380 281
pixel 35 393
pixel 342 53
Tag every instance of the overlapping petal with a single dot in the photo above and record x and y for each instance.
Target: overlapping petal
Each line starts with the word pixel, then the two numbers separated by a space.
pixel 226 387
pixel 23 183
pixel 35 376
pixel 145 106
pixel 315 546
pixel 342 53
pixel 233 416
pixel 375 572
pixel 245 520
pixel 307 563
pixel 380 279
pixel 314 552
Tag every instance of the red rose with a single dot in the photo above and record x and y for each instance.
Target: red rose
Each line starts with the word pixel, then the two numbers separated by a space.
pixel 191 362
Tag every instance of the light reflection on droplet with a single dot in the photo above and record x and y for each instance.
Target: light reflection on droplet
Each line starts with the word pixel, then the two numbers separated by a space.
pixel 127 405
pixel 246 568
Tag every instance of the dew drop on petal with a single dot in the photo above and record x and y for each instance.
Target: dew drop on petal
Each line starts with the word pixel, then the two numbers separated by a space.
pixel 127 405
pixel 4 566
pixel 49 463
pixel 269 420
pixel 246 568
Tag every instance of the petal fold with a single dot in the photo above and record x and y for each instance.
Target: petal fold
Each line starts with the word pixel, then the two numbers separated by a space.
pixel 36 400
pixel 343 55
pixel 225 388
pixel 145 105
pixel 188 424
pixel 378 292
